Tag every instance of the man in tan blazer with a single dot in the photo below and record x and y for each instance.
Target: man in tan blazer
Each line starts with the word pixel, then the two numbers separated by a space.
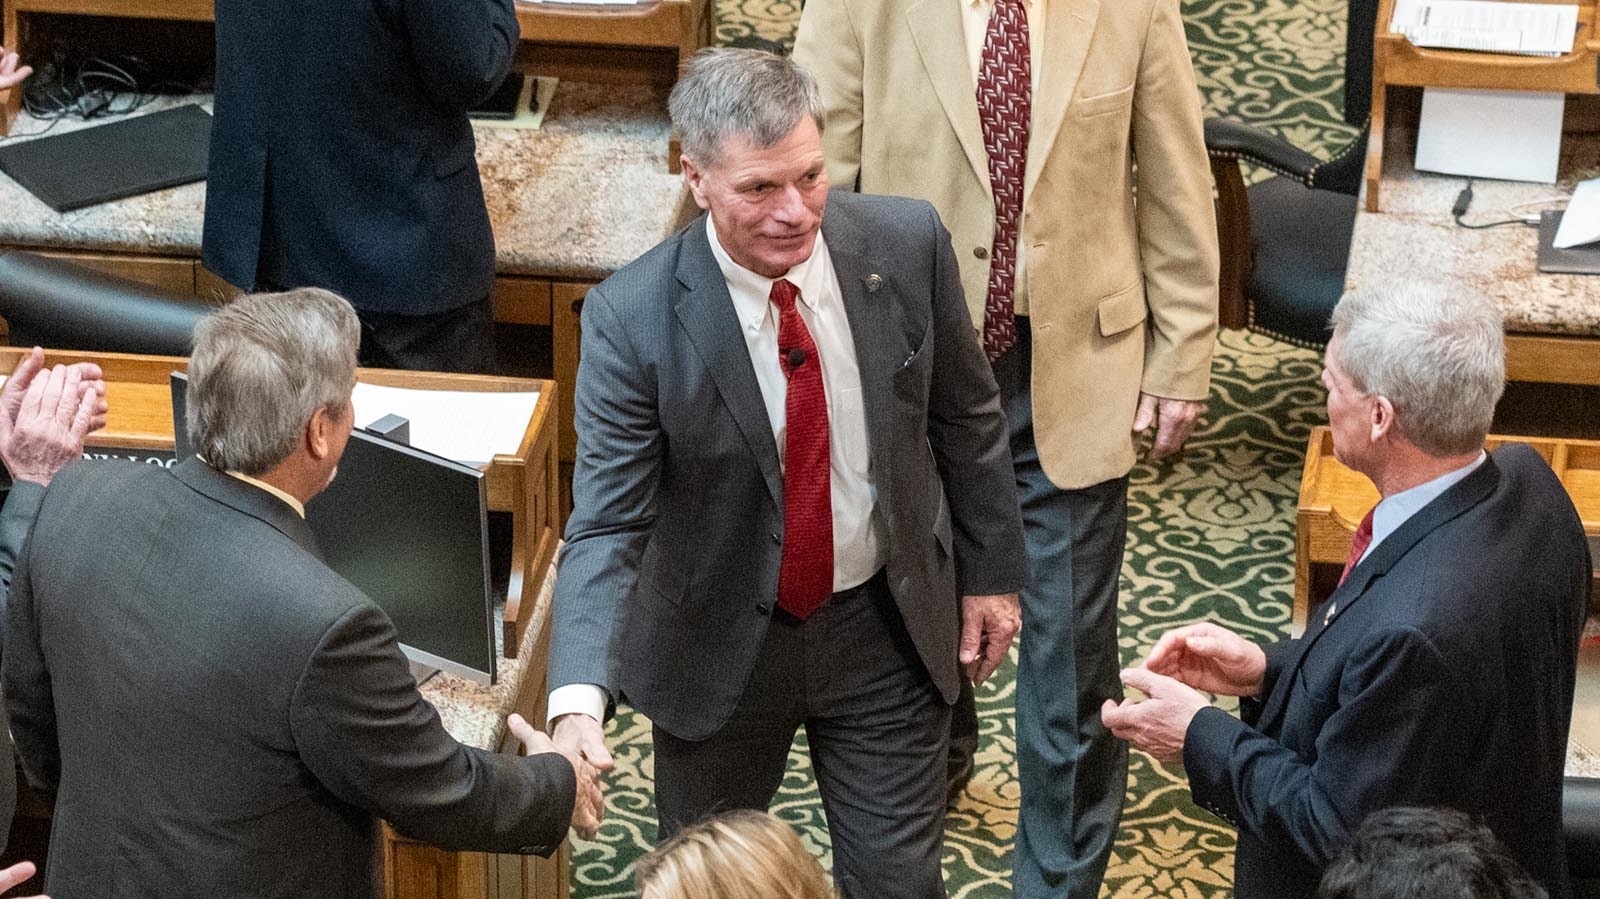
pixel 1098 312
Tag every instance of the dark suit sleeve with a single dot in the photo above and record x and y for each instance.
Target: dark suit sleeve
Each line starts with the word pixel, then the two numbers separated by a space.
pixel 365 732
pixel 461 48
pixel 1277 654
pixel 30 700
pixel 1400 704
pixel 16 519
pixel 967 432
pixel 614 489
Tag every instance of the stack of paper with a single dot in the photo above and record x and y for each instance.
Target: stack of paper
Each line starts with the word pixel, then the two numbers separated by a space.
pixel 468 427
pixel 1531 29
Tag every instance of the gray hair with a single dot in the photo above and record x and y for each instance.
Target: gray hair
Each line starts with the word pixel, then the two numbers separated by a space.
pixel 262 366
pixel 1439 357
pixel 752 93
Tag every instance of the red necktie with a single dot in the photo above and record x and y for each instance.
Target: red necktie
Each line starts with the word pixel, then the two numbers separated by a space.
pixel 1358 545
pixel 805 573
pixel 1005 89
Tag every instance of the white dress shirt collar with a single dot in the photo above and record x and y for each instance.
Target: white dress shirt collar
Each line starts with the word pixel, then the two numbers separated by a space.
pixel 1396 510
pixel 745 286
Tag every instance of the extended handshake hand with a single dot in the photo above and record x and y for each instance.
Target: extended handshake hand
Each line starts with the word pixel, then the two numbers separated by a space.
pixel 589 806
pixel 1184 662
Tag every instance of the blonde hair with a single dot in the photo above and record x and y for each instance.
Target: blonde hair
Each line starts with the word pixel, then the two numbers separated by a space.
pixel 741 854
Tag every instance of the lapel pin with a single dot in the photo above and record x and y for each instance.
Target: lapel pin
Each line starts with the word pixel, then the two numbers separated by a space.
pixel 1333 609
pixel 873 283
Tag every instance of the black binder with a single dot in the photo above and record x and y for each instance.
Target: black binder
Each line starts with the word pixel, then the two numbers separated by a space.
pixel 108 162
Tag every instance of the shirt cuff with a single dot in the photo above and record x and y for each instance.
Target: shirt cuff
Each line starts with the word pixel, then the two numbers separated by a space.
pixel 585 699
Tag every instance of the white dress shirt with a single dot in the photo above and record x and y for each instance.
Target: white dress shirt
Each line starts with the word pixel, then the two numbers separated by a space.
pixel 975 24
pixel 1395 510
pixel 858 550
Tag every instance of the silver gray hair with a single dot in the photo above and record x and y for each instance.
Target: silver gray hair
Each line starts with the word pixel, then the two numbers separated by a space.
pixel 1439 357
pixel 752 93
pixel 262 366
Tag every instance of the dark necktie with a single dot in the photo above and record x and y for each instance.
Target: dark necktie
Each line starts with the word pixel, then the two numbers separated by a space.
pixel 1358 544
pixel 1005 90
pixel 805 572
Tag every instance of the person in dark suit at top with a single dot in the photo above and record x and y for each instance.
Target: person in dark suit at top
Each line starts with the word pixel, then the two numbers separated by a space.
pixel 218 713
pixel 793 503
pixel 1441 671
pixel 342 158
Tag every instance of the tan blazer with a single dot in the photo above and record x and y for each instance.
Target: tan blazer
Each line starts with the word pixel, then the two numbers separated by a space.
pixel 1122 295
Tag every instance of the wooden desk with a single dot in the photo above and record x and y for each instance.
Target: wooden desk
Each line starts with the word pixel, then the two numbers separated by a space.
pixel 524 484
pixel 570 204
pixel 1396 62
pixel 1552 321
pixel 1334 499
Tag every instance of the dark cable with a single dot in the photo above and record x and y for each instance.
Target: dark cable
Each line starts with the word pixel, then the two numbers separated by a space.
pixel 1464 200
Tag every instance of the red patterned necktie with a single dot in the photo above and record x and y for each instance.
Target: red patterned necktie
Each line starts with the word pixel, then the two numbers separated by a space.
pixel 805 573
pixel 1358 545
pixel 1005 91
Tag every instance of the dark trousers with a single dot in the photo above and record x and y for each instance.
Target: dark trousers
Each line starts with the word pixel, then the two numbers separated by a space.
pixel 1072 771
pixel 456 340
pixel 459 340
pixel 877 730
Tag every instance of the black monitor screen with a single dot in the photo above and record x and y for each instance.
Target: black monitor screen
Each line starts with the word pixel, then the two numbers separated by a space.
pixel 410 529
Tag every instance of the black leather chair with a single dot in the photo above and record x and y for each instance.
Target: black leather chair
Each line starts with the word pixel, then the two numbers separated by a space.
pixel 60 305
pixel 1284 241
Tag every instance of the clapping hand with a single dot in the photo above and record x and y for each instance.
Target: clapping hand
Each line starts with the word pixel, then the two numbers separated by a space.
pixel 1209 658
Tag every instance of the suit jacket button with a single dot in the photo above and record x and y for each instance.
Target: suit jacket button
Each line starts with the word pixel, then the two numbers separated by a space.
pixel 981 252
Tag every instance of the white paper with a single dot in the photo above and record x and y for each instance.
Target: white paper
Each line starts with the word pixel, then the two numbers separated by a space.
pixel 1541 29
pixel 1514 135
pixel 466 426
pixel 1580 224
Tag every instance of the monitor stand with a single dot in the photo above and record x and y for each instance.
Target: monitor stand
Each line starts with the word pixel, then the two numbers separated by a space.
pixel 421 673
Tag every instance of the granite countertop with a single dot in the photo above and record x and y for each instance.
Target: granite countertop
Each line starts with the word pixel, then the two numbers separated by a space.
pixel 579 198
pixel 475 714
pixel 1414 237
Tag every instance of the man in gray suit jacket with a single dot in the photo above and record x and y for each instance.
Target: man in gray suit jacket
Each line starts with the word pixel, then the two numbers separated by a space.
pixel 218 712
pixel 793 499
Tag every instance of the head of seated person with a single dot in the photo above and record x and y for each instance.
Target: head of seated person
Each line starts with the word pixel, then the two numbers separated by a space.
pixel 741 854
pixel 1425 853
pixel 269 390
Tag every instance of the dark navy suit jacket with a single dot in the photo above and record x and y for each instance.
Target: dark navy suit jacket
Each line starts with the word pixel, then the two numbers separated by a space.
pixel 1445 678
pixel 341 154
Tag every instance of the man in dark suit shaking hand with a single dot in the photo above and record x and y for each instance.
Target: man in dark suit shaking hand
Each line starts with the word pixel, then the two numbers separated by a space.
pixel 793 500
pixel 218 713
pixel 1440 672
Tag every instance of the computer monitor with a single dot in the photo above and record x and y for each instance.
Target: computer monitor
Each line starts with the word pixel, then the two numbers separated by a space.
pixel 411 530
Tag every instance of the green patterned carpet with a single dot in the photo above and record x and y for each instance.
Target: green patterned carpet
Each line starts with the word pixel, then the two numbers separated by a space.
pixel 1211 537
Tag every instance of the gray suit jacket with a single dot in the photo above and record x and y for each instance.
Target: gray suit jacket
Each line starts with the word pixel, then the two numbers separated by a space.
pixel 670 569
pixel 220 714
